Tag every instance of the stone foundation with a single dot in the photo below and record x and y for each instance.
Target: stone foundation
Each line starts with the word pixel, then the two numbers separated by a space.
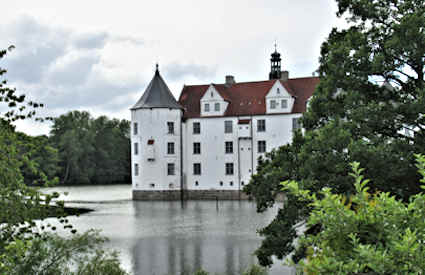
pixel 189 195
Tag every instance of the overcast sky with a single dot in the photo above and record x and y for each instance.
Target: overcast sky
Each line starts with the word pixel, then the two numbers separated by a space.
pixel 100 55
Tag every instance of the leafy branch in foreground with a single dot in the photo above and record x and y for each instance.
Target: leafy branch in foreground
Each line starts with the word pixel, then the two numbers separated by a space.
pixel 363 233
pixel 25 247
pixel 51 254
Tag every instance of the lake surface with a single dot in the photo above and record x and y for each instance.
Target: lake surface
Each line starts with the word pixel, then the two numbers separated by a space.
pixel 162 238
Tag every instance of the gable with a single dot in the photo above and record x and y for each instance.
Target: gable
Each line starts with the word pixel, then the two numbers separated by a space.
pixel 247 98
pixel 211 94
pixel 279 100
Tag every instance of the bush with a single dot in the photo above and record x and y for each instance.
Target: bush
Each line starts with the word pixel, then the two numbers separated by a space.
pixel 363 233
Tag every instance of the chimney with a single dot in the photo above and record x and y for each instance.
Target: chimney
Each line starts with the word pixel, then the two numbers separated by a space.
pixel 284 76
pixel 230 79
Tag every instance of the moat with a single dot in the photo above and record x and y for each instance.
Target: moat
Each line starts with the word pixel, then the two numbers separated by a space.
pixel 162 237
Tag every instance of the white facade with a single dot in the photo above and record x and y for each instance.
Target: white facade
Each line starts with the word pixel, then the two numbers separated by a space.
pixel 245 151
pixel 155 148
pixel 218 167
pixel 211 139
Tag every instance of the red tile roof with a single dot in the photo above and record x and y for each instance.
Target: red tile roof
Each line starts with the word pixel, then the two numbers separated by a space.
pixel 247 98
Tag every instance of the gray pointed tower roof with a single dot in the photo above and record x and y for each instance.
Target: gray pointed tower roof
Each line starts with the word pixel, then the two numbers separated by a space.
pixel 157 95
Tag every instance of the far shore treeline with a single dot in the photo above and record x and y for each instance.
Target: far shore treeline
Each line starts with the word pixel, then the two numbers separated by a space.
pixel 80 149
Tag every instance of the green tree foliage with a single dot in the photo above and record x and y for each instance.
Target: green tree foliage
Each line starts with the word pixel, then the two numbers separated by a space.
pixel 25 248
pixel 363 233
pixel 92 150
pixel 369 107
pixel 44 157
pixel 51 254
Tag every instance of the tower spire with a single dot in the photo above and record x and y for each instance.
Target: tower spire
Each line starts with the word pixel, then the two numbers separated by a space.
pixel 275 69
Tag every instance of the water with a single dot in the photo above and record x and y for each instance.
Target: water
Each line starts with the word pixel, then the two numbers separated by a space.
pixel 161 238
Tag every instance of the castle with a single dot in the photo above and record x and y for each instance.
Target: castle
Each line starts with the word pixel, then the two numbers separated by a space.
pixel 206 145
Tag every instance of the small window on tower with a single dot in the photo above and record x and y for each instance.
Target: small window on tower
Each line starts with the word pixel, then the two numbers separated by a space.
pixel 135 128
pixel 212 94
pixel 278 91
pixel 170 126
pixel 136 169
pixel 170 148
pixel 136 148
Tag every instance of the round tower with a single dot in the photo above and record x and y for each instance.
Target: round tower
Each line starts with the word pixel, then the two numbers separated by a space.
pixel 156 143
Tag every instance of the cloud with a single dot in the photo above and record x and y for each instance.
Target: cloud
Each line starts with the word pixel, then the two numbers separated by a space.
pixel 178 71
pixel 69 70
pixel 91 40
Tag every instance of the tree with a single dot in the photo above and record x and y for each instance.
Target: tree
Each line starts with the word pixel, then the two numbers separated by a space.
pixel 25 246
pixel 368 107
pixel 95 151
pixel 364 233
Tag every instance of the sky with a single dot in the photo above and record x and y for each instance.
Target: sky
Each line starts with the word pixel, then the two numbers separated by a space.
pixel 99 56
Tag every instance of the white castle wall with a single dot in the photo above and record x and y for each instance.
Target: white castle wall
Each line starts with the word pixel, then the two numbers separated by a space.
pixel 152 124
pixel 213 157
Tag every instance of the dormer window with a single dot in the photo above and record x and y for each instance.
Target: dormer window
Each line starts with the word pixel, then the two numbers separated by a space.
pixel 272 104
pixel 207 107
pixel 217 107
pixel 284 103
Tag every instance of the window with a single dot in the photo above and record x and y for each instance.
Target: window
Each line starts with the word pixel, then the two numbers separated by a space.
pixel 196 183
pixel 196 128
pixel 261 125
pixel 212 94
pixel 284 103
pixel 229 168
pixel 136 169
pixel 170 148
pixel 135 128
pixel 207 107
pixel 217 107
pixel 196 168
pixel 231 183
pixel 272 104
pixel 228 126
pixel 136 148
pixel 196 148
pixel 221 183
pixel 152 185
pixel 261 146
pixel 229 147
pixel 170 127
pixel 278 91
pixel 171 169
pixel 295 123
